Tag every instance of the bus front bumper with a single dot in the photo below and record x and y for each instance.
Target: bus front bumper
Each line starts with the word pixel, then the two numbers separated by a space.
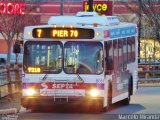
pixel 29 102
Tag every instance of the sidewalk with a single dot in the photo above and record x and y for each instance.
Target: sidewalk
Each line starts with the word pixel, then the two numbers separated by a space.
pixel 8 102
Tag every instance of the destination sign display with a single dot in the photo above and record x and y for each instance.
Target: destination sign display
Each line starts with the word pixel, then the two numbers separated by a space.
pixel 63 33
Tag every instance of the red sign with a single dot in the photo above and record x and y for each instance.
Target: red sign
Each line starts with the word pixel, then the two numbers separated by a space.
pixel 12 8
pixel 101 7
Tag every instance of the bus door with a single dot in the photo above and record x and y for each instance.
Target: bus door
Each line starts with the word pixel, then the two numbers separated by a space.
pixel 112 64
pixel 122 65
pixel 120 75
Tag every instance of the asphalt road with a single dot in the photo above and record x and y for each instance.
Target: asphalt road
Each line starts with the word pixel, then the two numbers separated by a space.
pixel 145 101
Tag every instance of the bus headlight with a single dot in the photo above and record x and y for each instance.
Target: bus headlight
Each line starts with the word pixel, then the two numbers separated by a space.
pixel 94 92
pixel 31 92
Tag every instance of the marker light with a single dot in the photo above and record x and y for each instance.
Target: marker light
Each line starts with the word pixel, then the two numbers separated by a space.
pixel 97 34
pixel 71 26
pixel 94 92
pixel 55 26
pixel 95 24
pixel 29 33
pixel 63 26
pixel 30 92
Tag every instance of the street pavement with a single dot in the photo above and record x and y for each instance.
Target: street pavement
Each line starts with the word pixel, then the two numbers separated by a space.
pixel 144 102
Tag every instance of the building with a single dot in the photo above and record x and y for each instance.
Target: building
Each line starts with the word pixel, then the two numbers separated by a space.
pixel 49 8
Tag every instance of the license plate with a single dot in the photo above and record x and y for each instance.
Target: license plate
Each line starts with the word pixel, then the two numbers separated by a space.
pixel 61 92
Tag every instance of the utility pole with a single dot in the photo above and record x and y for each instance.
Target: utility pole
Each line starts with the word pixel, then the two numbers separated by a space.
pixel 139 29
pixel 61 8
pixel 90 3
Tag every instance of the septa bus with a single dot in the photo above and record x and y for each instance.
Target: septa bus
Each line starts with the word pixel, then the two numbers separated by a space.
pixel 85 60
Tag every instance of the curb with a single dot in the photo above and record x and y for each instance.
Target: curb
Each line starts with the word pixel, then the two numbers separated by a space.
pixel 149 85
pixel 8 111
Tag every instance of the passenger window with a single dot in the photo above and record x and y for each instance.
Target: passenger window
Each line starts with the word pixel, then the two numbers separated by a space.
pixel 129 49
pixel 124 51
pixel 133 49
pixel 115 53
pixel 109 57
pixel 120 53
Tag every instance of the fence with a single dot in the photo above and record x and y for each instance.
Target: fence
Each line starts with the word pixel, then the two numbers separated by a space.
pixel 10 81
pixel 149 72
pixel 149 75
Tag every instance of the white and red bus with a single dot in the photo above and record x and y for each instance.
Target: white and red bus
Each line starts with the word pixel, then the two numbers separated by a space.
pixel 85 60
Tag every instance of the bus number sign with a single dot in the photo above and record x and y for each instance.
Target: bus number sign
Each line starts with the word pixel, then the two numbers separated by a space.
pixel 65 33
pixel 34 69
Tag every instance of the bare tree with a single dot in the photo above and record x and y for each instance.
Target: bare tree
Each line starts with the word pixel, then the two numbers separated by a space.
pixel 149 14
pixel 15 15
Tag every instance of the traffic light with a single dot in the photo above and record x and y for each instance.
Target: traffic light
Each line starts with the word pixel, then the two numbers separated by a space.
pixel 90 3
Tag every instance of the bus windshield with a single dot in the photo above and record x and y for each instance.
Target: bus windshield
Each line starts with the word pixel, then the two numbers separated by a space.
pixel 83 57
pixel 47 56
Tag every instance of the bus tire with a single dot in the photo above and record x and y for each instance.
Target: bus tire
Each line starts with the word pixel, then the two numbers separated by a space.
pixel 126 101
pixel 109 100
pixel 131 86
pixel 35 109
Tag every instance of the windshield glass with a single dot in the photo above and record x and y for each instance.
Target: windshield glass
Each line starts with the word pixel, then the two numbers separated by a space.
pixel 42 57
pixel 83 57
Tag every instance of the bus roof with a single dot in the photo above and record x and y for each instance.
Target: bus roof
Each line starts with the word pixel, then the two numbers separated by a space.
pixel 105 27
pixel 86 18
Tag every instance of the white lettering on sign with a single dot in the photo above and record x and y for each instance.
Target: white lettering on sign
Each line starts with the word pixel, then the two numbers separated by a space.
pixel 60 86
pixel 44 85
pixel 56 86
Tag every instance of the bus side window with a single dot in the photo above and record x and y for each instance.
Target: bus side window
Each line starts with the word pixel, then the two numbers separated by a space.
pixel 115 55
pixel 124 52
pixel 129 50
pixel 109 57
pixel 120 54
pixel 133 49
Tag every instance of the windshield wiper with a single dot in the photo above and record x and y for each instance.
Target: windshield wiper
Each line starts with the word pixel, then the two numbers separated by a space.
pixel 80 78
pixel 45 77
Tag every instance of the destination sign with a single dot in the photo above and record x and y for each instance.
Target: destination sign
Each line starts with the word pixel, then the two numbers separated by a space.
pixel 63 33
